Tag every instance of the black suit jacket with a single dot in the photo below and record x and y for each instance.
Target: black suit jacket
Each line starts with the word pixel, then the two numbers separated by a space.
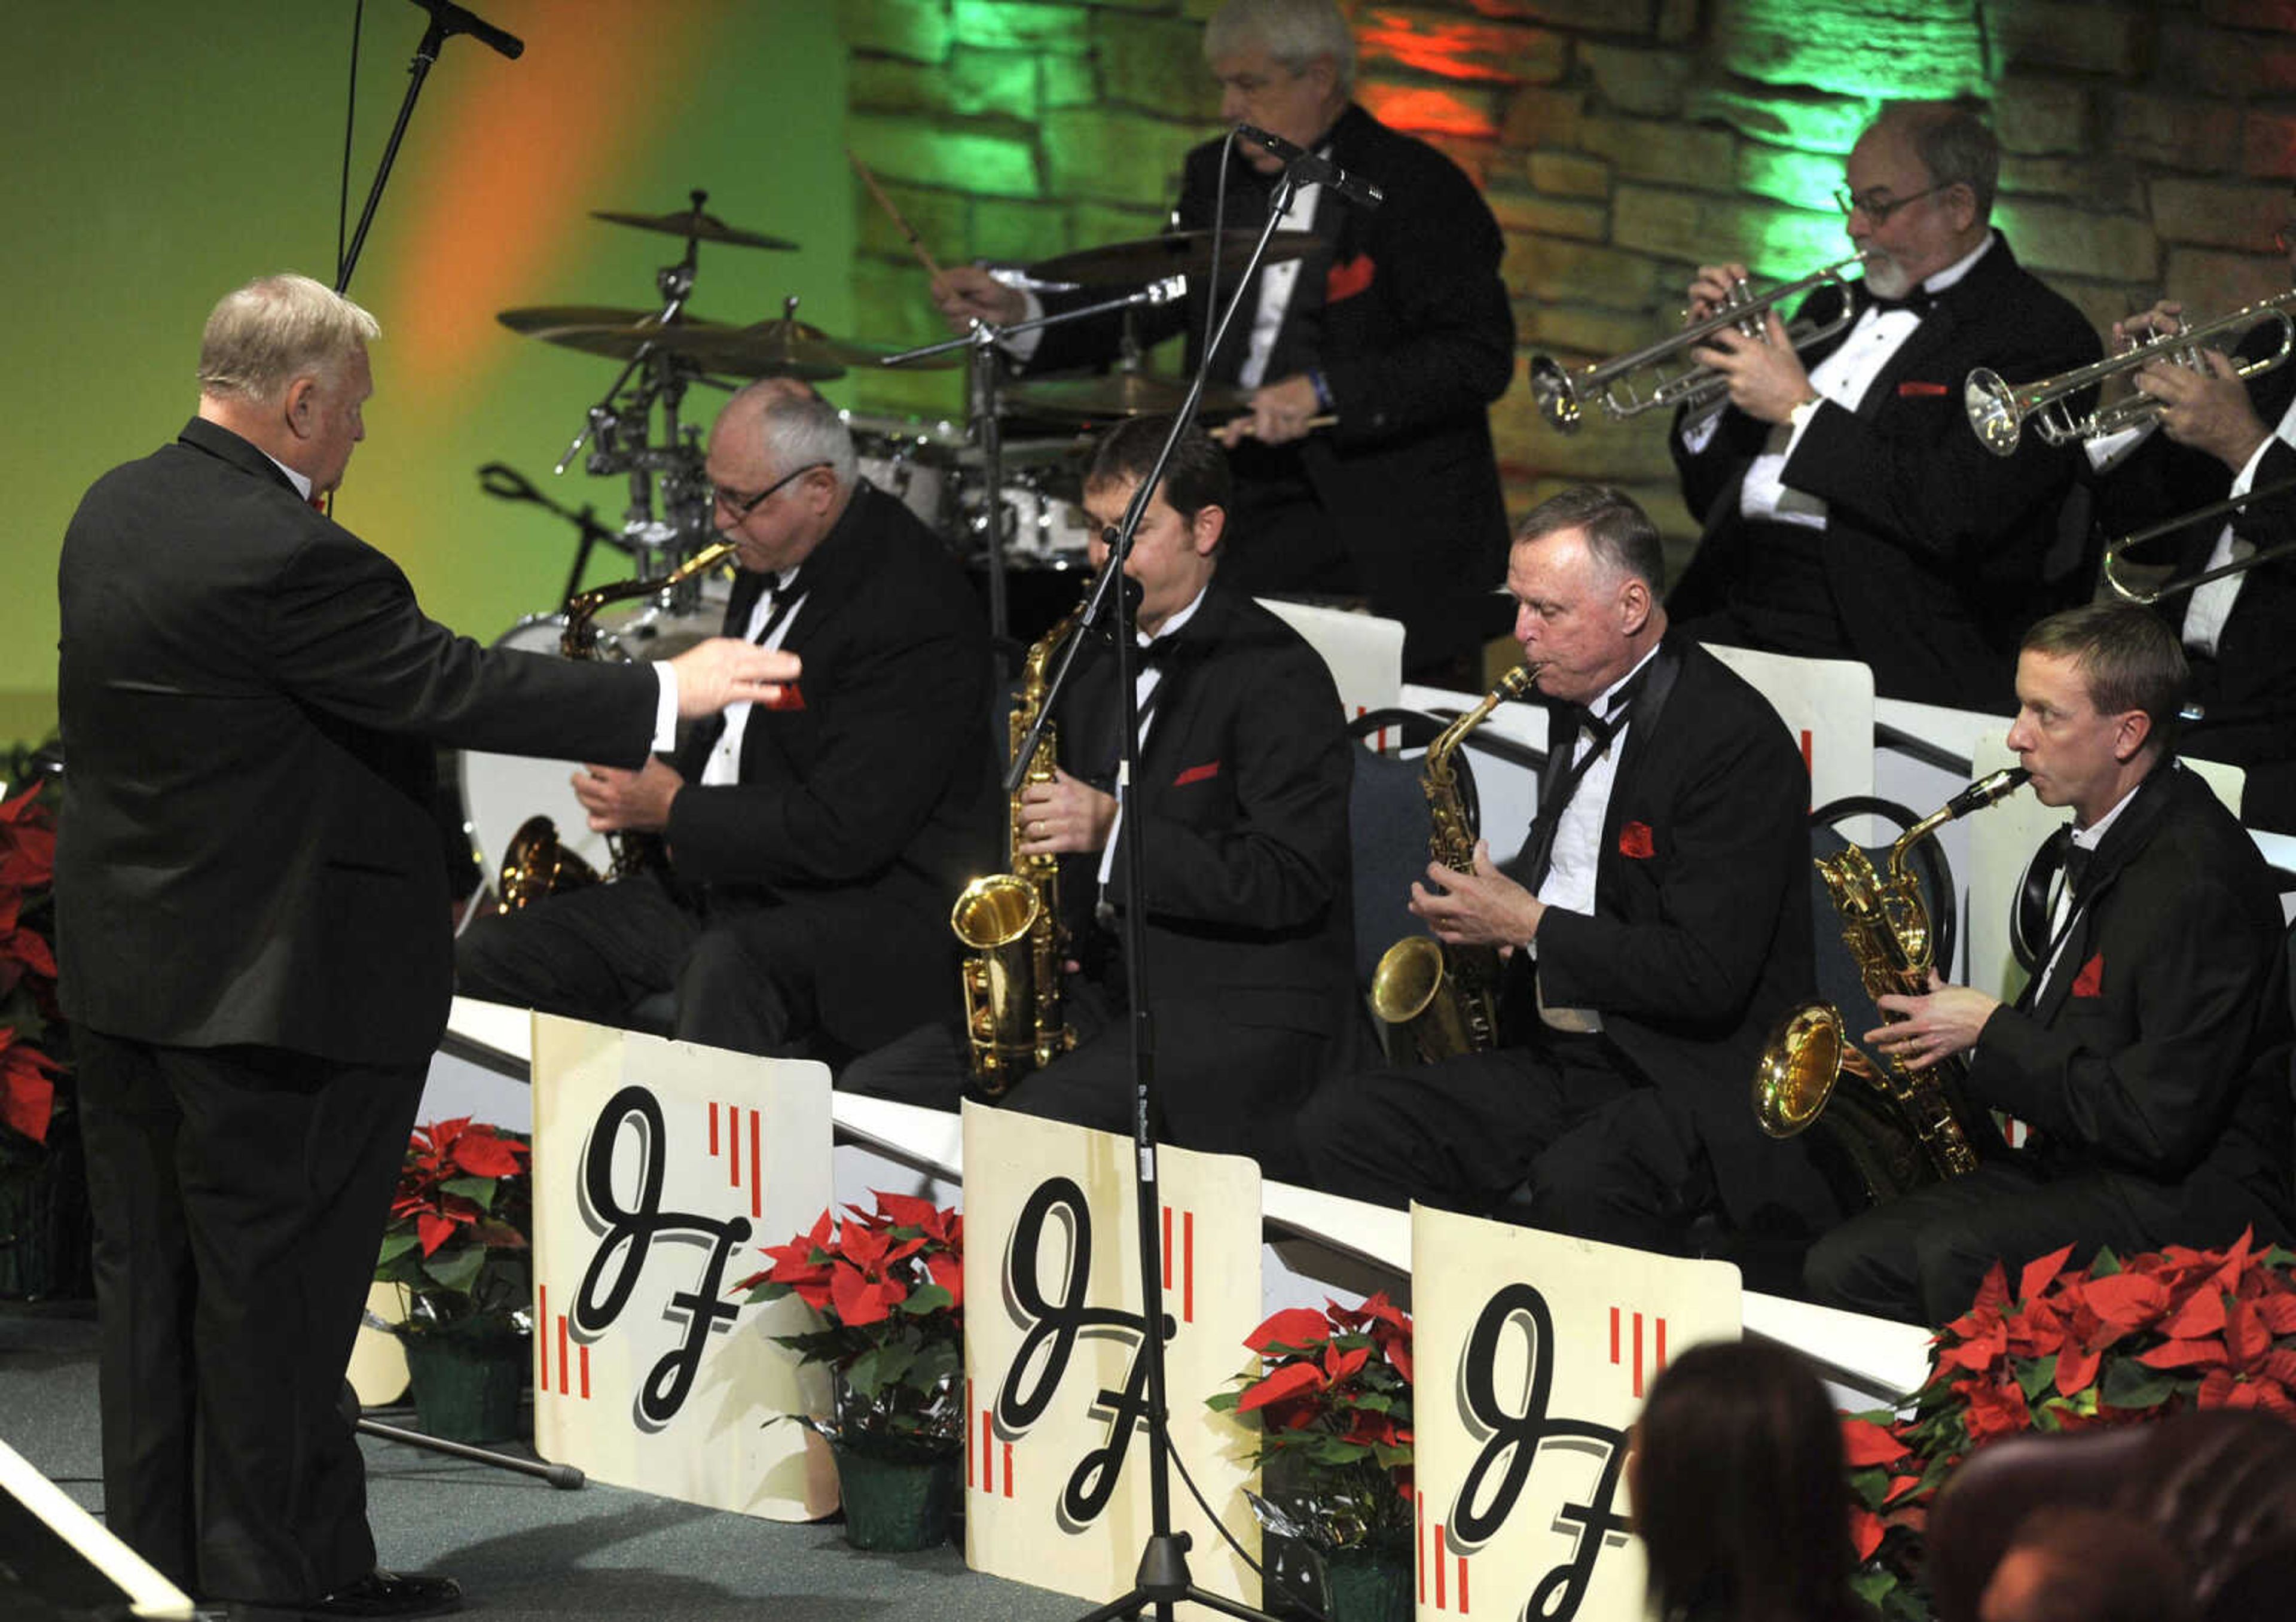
pixel 1407 315
pixel 1243 805
pixel 1934 547
pixel 2249 695
pixel 250 702
pixel 869 797
pixel 2132 1058
pixel 1701 937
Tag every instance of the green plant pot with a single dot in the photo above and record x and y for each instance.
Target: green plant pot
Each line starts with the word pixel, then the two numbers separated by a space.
pixel 1368 1585
pixel 467 1381
pixel 895 1505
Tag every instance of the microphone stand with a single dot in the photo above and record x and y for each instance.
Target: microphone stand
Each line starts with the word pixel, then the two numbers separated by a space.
pixel 1163 1579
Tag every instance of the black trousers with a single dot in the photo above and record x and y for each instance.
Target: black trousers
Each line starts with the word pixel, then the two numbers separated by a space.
pixel 239 1196
pixel 1560 1133
pixel 1920 1259
pixel 600 953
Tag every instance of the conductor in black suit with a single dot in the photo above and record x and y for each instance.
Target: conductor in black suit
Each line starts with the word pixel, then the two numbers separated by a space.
pixel 2217 437
pixel 815 846
pixel 1658 922
pixel 1242 807
pixel 1851 512
pixel 252 928
pixel 1397 329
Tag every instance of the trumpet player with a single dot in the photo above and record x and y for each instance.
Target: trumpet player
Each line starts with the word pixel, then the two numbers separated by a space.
pixel 814 844
pixel 1848 512
pixel 1657 922
pixel 1242 807
pixel 2130 1054
pixel 2219 437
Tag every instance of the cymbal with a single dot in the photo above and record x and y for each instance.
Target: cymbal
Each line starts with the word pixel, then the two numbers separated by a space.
pixel 538 320
pixel 708 346
pixel 1173 253
pixel 775 348
pixel 1119 394
pixel 693 223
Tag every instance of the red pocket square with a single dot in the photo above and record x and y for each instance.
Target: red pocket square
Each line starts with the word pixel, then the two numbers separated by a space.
pixel 1345 280
pixel 1634 841
pixel 1921 390
pixel 791 696
pixel 1197 774
pixel 2090 981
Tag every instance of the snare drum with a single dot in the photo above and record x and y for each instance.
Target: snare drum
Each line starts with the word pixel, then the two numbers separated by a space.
pixel 909 458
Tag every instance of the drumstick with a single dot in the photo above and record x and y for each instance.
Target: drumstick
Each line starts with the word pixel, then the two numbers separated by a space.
pixel 916 245
pixel 1245 429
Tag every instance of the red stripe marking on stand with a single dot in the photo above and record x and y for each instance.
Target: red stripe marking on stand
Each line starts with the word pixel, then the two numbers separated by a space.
pixel 732 1147
pixel 1614 1335
pixel 1188 1266
pixel 1662 1343
pixel 1463 1585
pixel 1638 1353
pixel 562 1354
pixel 1167 1246
pixel 988 1456
pixel 756 1179
pixel 1008 1469
pixel 586 1373
pixel 1440 1563
pixel 713 1126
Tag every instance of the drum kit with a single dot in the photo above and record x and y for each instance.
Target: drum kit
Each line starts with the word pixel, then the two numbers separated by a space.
pixel 1003 488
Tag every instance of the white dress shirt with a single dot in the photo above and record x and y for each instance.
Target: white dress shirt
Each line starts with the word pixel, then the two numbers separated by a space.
pixel 724 765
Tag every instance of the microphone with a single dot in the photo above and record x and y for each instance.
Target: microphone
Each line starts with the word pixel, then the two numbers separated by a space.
pixel 450 20
pixel 1310 170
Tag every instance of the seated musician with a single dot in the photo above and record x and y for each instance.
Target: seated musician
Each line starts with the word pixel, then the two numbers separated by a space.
pixel 1851 511
pixel 814 846
pixel 1363 459
pixel 1244 771
pixel 2220 437
pixel 1658 923
pixel 2129 1056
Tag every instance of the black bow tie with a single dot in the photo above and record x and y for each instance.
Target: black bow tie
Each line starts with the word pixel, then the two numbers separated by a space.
pixel 1606 725
pixel 1919 300
pixel 1157 655
pixel 2078 861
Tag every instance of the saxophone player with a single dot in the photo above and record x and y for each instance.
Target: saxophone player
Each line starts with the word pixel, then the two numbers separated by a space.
pixel 813 845
pixel 2129 1055
pixel 1658 920
pixel 1243 805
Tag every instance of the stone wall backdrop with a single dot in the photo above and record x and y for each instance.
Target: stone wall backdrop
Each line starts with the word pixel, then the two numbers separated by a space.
pixel 2148 149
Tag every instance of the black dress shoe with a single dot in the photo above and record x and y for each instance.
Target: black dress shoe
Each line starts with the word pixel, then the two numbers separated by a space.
pixel 377 1594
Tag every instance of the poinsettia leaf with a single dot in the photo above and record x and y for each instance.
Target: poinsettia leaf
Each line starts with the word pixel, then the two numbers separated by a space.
pixel 2201 1313
pixel 434 1230
pixel 1222 1402
pixel 927 1298
pixel 1865 1532
pixel 396 1244
pixel 2128 1383
pixel 479 1190
pixel 2039 1273
pixel 457 1270
pixel 1865 1442
pixel 2076 1369
pixel 1287 1379
pixel 1295 1328
pixel 2034 1376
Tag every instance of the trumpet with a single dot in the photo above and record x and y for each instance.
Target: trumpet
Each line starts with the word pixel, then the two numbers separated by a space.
pixel 1561 394
pixel 2148 594
pixel 1998 411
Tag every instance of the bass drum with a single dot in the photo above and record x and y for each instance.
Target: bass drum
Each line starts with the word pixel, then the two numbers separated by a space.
pixel 909 458
pixel 501 791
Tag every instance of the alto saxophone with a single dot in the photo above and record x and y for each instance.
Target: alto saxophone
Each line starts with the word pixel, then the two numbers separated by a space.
pixel 1903 1128
pixel 1009 923
pixel 1447 996
pixel 537 863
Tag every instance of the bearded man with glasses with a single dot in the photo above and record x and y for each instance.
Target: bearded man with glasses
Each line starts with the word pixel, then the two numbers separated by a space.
pixel 816 846
pixel 1849 510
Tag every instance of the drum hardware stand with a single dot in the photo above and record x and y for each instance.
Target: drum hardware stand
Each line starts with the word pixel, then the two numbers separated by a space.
pixel 1163 1579
pixel 987 368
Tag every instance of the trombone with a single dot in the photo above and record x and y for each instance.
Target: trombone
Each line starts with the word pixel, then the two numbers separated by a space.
pixel 1561 394
pixel 2170 526
pixel 1998 411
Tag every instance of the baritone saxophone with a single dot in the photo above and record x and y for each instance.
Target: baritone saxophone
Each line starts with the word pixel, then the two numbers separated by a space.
pixel 1446 997
pixel 1009 923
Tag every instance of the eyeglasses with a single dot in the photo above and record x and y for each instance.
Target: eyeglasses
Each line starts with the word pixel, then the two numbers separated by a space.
pixel 1879 208
pixel 741 507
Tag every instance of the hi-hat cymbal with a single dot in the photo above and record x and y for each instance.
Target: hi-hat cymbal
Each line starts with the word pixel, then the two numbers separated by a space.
pixel 695 223
pixel 1119 394
pixel 1173 253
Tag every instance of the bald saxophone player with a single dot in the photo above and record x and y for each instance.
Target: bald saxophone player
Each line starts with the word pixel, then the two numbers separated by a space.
pixel 253 1016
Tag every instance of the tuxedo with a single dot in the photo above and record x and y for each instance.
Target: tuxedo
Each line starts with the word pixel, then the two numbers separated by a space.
pixel 1403 313
pixel 1932 560
pixel 2132 1062
pixel 252 933
pixel 1248 930
pixel 807 903
pixel 1699 938
pixel 2247 689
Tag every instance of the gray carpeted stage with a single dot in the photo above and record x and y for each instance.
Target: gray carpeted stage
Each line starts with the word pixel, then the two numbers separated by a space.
pixel 522 1549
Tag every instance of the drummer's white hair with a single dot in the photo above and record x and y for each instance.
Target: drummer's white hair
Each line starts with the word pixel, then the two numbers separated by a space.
pixel 277 328
pixel 799 427
pixel 1294 32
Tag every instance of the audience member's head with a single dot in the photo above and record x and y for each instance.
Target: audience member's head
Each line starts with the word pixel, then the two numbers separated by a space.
pixel 1740 1493
pixel 2076 1563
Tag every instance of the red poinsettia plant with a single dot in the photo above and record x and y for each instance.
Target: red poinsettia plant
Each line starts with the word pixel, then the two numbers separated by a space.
pixel 888 1287
pixel 27 970
pixel 458 1238
pixel 2120 1342
pixel 1331 1397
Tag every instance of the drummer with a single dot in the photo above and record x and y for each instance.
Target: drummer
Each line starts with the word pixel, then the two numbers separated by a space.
pixel 814 846
pixel 1364 371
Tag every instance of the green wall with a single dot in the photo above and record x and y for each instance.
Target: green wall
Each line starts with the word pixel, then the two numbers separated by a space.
pixel 158 155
